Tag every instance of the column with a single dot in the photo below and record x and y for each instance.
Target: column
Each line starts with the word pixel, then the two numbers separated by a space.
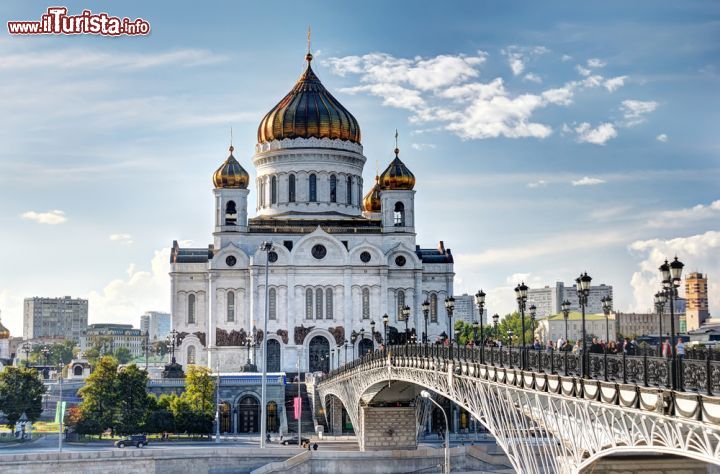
pixel 383 291
pixel 291 318
pixel 419 322
pixel 347 302
pixel 211 322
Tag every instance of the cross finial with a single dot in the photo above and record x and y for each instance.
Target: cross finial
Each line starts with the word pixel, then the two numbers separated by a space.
pixel 397 149
pixel 308 39
pixel 232 148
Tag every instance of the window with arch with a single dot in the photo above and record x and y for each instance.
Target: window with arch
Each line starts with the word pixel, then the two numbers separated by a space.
pixel 333 188
pixel 273 190
pixel 191 354
pixel 329 303
pixel 78 370
pixel 318 303
pixel 400 305
pixel 433 308
pixel 399 214
pixel 272 310
pixel 261 193
pixel 291 188
pixel 348 190
pixel 312 184
pixel 191 309
pixel 308 304
pixel 366 303
pixel 359 193
pixel 230 213
pixel 231 307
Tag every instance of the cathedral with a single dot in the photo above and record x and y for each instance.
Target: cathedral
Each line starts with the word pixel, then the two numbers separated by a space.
pixel 340 262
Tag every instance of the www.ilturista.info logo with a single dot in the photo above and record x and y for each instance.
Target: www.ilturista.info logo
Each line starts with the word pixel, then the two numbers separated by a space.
pixel 57 22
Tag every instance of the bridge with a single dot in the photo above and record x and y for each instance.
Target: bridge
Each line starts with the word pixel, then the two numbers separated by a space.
pixel 542 411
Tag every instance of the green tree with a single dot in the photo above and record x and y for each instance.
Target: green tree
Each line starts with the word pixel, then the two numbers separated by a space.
pixel 133 401
pixel 200 389
pixel 60 353
pixel 123 355
pixel 100 394
pixel 21 391
pixel 99 346
pixel 513 322
pixel 466 332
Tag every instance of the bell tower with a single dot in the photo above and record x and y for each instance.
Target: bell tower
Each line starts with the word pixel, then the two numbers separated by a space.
pixel 231 192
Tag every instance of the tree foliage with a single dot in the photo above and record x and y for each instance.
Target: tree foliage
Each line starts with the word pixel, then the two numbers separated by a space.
pixel 123 355
pixel 21 391
pixel 200 389
pixel 60 353
pixel 100 394
pixel 133 399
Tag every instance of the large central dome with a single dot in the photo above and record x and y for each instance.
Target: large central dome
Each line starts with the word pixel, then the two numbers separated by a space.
pixel 309 110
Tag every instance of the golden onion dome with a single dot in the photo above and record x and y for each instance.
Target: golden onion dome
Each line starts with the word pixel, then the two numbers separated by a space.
pixel 231 174
pixel 397 176
pixel 371 201
pixel 4 332
pixel 309 110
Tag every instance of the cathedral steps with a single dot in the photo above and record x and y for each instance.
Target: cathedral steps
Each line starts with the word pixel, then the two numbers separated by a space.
pixel 306 420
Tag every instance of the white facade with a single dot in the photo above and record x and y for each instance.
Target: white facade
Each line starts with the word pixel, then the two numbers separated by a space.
pixel 119 335
pixel 554 327
pixel 55 317
pixel 548 300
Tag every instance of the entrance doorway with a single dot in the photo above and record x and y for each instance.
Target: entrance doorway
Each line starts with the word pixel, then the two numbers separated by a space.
pixel 272 417
pixel 273 356
pixel 319 354
pixel 365 346
pixel 225 422
pixel 248 415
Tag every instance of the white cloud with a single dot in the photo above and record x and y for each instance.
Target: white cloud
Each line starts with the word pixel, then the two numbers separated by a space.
pixel 634 111
pixel 565 58
pixel 598 135
pixel 680 217
pixel 122 238
pixel 596 63
pixel 699 252
pixel 559 96
pixel 518 56
pixel 662 138
pixel 50 217
pixel 537 184
pixel 583 71
pixel 532 77
pixel 393 95
pixel 587 181
pixel 614 83
pixel 423 146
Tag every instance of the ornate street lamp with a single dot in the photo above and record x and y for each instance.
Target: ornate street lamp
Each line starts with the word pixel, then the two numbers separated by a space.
pixel 449 307
pixel 480 302
pixel 406 316
pixel 372 332
pixel 566 314
pixel 267 248
pixel 521 297
pixel 426 311
pixel 660 301
pixel 46 354
pixel 671 278
pixel 533 314
pixel 353 339
pixel 510 335
pixel 27 349
pixel 386 318
pixel 332 358
pixel 583 290
pixel 607 307
pixel 496 318
pixel 346 346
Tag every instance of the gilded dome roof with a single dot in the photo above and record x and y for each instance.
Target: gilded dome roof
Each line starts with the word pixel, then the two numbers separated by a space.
pixel 231 174
pixel 397 176
pixel 371 201
pixel 4 332
pixel 309 110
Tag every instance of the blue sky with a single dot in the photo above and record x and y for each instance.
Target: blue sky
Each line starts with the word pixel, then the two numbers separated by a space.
pixel 547 138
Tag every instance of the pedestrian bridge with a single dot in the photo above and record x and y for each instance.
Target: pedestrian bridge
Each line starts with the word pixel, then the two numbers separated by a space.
pixel 547 417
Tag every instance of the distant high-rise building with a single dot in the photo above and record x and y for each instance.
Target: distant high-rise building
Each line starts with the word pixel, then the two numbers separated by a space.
pixel 548 300
pixel 156 324
pixel 466 309
pixel 696 297
pixel 55 317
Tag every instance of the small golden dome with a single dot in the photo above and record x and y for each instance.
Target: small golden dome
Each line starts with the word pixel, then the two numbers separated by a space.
pixel 4 332
pixel 371 201
pixel 231 174
pixel 309 110
pixel 397 176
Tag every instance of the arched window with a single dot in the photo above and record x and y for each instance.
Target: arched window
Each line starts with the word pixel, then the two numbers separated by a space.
pixel 231 307
pixel 399 215
pixel 291 188
pixel 313 188
pixel 359 193
pixel 191 309
pixel 272 310
pixel 400 305
pixel 348 190
pixel 366 303
pixel 191 355
pixel 329 303
pixel 261 193
pixel 333 188
pixel 308 304
pixel 318 304
pixel 433 308
pixel 273 190
pixel 230 213
pixel 78 370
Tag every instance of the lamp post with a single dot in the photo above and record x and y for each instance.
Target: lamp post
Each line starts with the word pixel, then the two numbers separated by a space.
pixel 449 307
pixel 566 314
pixel 372 333
pixel 362 338
pixel 61 410
pixel 332 358
pixel 583 290
pixel 660 301
pixel 521 297
pixel 446 468
pixel 426 311
pixel 480 302
pixel 46 354
pixel 267 248
pixel 146 346
pixel 385 318
pixel 510 335
pixel 346 346
pixel 671 278
pixel 607 307
pixel 27 349
pixel 495 319
pixel 533 313
pixel 353 339
pixel 406 316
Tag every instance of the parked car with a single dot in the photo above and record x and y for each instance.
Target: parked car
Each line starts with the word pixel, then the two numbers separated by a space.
pixel 294 441
pixel 132 440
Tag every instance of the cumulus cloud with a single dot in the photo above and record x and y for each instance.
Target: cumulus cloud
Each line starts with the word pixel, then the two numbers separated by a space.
pixel 614 83
pixel 662 138
pixel 596 62
pixel 583 71
pixel 587 181
pixel 122 238
pixel 699 252
pixel 681 217
pixel 518 56
pixel 634 111
pixel 53 217
pixel 423 146
pixel 537 184
pixel 532 77
pixel 565 58
pixel 598 135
